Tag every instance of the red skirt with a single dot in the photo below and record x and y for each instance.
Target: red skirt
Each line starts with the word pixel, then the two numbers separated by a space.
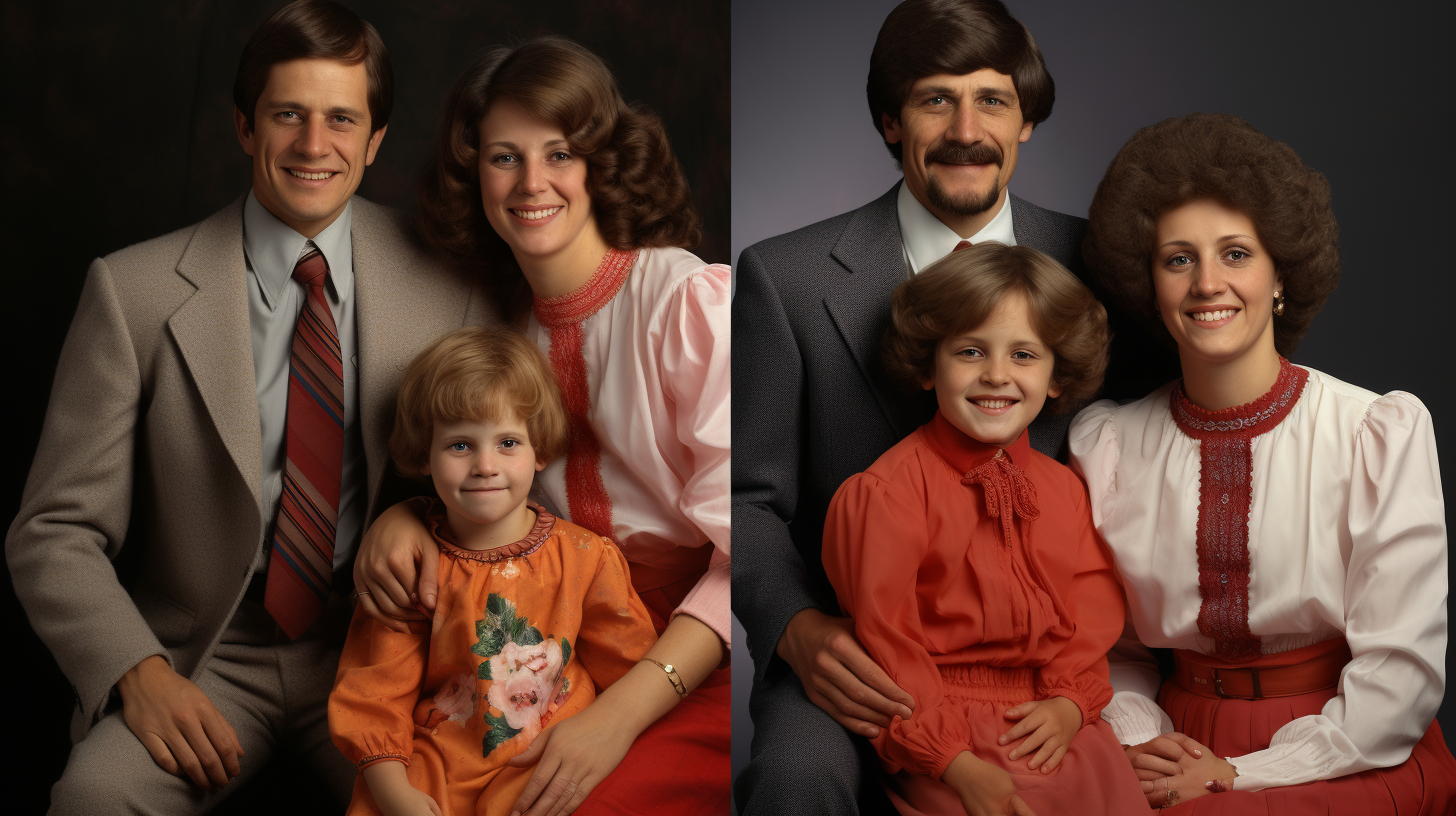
pixel 1093 777
pixel 682 763
pixel 1424 784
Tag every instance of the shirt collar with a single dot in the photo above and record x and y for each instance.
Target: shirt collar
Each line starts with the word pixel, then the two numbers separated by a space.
pixel 273 247
pixel 965 454
pixel 927 239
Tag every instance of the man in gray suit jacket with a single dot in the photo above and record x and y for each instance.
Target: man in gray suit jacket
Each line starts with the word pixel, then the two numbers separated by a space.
pixel 955 87
pixel 166 433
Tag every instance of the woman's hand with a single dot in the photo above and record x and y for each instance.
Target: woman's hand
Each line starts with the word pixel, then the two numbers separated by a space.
pixel 572 757
pixel 1198 775
pixel 1050 726
pixel 985 789
pixel 839 676
pixel 395 796
pixel 1159 756
pixel 396 569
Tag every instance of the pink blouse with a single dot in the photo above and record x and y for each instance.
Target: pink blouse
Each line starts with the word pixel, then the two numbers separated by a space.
pixel 656 360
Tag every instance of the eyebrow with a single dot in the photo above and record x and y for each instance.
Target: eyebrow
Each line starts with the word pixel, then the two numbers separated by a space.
pixel 340 110
pixel 1219 240
pixel 512 145
pixel 969 339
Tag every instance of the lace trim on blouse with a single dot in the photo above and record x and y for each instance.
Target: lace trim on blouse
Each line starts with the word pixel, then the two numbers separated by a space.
pixel 540 531
pixel 1224 495
pixel 586 495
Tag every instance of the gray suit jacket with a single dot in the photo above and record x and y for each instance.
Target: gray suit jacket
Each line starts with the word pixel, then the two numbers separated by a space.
pixel 151 440
pixel 813 406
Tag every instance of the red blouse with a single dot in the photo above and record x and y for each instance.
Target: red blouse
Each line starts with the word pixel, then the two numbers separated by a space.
pixel 948 551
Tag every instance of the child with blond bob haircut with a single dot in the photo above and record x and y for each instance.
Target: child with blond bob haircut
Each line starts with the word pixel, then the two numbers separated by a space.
pixel 534 616
pixel 968 560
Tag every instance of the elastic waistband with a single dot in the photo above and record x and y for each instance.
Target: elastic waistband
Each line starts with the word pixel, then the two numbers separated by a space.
pixel 976 681
pixel 1286 674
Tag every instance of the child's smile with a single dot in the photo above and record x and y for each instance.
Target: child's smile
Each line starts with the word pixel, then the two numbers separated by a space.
pixel 993 380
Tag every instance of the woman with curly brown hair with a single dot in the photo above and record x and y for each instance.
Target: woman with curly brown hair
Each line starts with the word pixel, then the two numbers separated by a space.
pixel 1282 531
pixel 573 205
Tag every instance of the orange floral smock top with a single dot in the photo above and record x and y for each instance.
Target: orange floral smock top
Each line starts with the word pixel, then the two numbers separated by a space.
pixel 522 635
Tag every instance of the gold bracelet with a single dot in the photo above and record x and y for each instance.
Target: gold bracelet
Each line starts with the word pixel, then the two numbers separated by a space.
pixel 677 683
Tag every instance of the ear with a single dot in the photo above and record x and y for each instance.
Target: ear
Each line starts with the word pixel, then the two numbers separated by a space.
pixel 1054 390
pixel 374 139
pixel 541 465
pixel 425 469
pixel 928 383
pixel 891 127
pixel 245 133
pixel 1026 128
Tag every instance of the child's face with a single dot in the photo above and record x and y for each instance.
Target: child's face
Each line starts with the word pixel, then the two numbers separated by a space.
pixel 482 470
pixel 992 381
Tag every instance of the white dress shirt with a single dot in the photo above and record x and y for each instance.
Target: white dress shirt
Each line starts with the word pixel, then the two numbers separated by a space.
pixel 927 239
pixel 1347 539
pixel 274 303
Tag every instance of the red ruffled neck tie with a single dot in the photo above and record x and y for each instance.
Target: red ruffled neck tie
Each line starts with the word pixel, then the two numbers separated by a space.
pixel 586 495
pixel 1009 492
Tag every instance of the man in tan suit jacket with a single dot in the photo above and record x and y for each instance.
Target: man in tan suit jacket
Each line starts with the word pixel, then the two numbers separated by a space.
pixel 164 434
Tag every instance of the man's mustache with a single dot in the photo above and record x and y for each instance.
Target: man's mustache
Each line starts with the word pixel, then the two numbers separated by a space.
pixel 979 153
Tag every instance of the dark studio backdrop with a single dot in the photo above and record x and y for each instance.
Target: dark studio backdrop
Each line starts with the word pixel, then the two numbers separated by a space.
pixel 118 127
pixel 1359 90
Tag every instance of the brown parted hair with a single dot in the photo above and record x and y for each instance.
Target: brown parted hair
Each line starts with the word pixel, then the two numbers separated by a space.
pixel 640 197
pixel 477 375
pixel 922 38
pixel 315 29
pixel 1214 155
pixel 957 293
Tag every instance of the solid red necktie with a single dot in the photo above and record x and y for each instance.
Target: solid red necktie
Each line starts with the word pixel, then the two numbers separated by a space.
pixel 301 566
pixel 962 245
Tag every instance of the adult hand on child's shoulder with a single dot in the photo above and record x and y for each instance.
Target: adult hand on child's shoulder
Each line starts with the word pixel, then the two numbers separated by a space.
pixel 178 725
pixel 1048 725
pixel 397 567
pixel 984 789
pixel 838 675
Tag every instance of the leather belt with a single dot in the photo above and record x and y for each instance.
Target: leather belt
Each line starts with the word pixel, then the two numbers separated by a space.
pixel 1258 680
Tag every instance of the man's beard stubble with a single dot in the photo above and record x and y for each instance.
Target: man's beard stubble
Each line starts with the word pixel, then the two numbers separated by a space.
pixel 972 203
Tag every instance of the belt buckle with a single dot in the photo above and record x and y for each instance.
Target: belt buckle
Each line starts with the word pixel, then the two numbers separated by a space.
pixel 1253 675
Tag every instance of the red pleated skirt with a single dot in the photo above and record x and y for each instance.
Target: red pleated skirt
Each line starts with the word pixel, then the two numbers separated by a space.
pixel 1093 778
pixel 1425 784
pixel 682 763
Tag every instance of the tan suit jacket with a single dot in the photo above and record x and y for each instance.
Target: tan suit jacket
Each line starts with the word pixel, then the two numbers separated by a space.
pixel 152 440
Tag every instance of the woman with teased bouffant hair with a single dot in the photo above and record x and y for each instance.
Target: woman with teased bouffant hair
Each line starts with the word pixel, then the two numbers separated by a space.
pixel 1281 531
pixel 572 204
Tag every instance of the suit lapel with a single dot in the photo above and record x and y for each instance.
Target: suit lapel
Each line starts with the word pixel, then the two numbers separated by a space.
pixel 871 252
pixel 214 336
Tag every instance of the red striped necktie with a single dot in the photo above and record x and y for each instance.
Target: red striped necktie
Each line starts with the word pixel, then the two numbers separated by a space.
pixel 301 566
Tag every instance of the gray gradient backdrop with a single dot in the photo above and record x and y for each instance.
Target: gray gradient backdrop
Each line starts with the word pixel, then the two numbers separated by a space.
pixel 1354 93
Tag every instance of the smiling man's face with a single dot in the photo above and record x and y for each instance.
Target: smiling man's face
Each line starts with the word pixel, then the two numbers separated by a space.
pixel 311 140
pixel 960 136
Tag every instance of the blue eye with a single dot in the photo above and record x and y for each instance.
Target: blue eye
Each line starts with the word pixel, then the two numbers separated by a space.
pixel 459 447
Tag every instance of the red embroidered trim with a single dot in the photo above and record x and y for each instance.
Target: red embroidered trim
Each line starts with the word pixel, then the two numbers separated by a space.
pixel 586 495
pixel 1224 494
pixel 436 521
pixel 1009 492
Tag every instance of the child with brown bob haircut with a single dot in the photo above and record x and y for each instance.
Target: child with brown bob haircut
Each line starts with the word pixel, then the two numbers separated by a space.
pixel 535 615
pixel 968 560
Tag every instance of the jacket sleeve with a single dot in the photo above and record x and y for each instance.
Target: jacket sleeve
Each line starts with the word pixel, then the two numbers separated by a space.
pixel 1096 606
pixel 771 582
pixel 371 709
pixel 76 507
pixel 875 539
